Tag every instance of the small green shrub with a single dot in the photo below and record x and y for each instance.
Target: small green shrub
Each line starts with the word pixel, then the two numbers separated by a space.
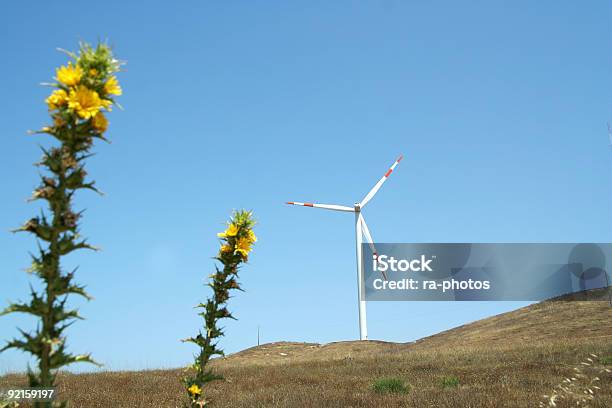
pixel 390 385
pixel 449 382
pixel 607 360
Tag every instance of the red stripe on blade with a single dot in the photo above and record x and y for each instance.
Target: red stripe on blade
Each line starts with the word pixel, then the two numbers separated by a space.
pixel 308 205
pixel 388 172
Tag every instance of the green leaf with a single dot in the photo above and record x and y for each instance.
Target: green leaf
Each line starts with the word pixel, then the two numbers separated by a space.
pixel 62 286
pixel 32 344
pixel 67 245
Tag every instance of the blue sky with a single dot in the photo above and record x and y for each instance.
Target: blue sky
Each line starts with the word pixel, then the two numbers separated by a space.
pixel 500 109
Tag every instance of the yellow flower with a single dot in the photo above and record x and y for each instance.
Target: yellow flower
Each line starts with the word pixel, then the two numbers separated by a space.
pixel 231 231
pixel 112 87
pixel 194 389
pixel 57 98
pixel 251 236
pixel 85 102
pixel 226 248
pixel 106 104
pixel 93 72
pixel 99 122
pixel 69 75
pixel 243 246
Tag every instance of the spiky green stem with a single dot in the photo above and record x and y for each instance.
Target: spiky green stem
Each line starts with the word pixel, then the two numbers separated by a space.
pixel 75 132
pixel 233 252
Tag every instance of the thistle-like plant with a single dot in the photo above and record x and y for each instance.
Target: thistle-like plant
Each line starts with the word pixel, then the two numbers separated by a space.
pixel 236 243
pixel 84 89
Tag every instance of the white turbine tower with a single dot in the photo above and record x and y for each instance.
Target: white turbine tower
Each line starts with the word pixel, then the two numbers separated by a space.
pixel 361 230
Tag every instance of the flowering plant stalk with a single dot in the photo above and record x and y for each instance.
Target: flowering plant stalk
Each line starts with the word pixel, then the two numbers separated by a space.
pixel 84 90
pixel 236 243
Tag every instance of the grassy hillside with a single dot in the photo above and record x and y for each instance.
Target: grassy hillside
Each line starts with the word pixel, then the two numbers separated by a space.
pixel 509 360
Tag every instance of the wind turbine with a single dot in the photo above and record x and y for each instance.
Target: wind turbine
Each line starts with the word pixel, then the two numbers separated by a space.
pixel 361 231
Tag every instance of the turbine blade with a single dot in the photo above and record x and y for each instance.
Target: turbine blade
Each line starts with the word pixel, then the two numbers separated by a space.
pixel 377 186
pixel 324 206
pixel 368 236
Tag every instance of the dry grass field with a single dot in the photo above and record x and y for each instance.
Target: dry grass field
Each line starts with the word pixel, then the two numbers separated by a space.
pixel 509 360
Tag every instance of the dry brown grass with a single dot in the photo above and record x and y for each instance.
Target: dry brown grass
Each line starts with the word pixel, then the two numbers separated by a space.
pixel 509 360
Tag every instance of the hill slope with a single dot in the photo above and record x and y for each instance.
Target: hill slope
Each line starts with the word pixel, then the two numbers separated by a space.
pixel 509 360
pixel 541 323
